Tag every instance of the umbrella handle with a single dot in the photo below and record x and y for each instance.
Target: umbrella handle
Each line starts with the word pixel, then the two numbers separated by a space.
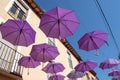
pixel 28 72
pixel 97 53
pixel 59 38
pixel 42 64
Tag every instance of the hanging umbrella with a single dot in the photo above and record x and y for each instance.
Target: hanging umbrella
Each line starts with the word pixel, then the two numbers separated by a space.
pixel 18 32
pixel 56 77
pixel 75 74
pixel 28 62
pixel 53 67
pixel 86 66
pixel 44 52
pixel 59 23
pixel 115 72
pixel 109 63
pixel 93 40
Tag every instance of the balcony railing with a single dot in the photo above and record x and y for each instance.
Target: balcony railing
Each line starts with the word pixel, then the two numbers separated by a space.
pixel 9 60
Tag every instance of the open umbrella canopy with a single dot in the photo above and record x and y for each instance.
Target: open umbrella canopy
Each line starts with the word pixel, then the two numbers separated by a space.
pixel 86 66
pixel 28 62
pixel 93 40
pixel 75 74
pixel 44 52
pixel 53 67
pixel 56 77
pixel 115 72
pixel 59 23
pixel 18 32
pixel 109 63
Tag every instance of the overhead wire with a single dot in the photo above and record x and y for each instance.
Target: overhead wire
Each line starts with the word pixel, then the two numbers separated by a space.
pixel 108 25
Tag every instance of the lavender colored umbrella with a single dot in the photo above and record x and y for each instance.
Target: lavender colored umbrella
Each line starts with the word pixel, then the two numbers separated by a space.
pixel 53 67
pixel 75 74
pixel 59 23
pixel 18 32
pixel 93 40
pixel 44 52
pixel 115 72
pixel 28 62
pixel 86 66
pixel 56 77
pixel 109 63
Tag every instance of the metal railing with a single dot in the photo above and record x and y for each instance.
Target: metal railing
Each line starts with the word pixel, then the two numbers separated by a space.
pixel 9 60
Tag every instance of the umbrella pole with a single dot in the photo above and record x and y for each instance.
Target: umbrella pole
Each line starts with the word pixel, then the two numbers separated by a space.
pixel 59 38
pixel 97 53
pixel 28 72
pixel 42 64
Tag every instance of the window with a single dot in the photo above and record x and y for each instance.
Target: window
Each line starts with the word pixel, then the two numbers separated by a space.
pixel 51 41
pixel 18 10
pixel 14 8
pixel 70 60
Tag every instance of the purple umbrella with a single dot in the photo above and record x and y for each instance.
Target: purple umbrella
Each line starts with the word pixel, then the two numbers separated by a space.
pixel 86 66
pixel 109 63
pixel 28 62
pixel 59 23
pixel 75 74
pixel 18 32
pixel 115 72
pixel 53 67
pixel 93 40
pixel 56 77
pixel 44 52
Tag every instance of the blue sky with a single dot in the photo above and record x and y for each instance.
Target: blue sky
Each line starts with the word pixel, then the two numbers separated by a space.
pixel 90 19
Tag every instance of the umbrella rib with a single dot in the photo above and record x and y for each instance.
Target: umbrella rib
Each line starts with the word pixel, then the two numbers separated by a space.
pixel 27 64
pixel 49 66
pixel 50 16
pixel 33 64
pixel 37 56
pixel 51 28
pixel 54 69
pixel 82 67
pixel 29 35
pixel 17 39
pixel 24 37
pixel 71 21
pixel 100 38
pixel 50 55
pixel 67 13
pixel 95 44
pixel 16 24
pixel 46 23
pixel 9 26
pixel 43 56
pixel 9 33
pixel 67 28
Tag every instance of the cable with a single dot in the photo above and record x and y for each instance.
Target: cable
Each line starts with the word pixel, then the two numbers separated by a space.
pixel 108 25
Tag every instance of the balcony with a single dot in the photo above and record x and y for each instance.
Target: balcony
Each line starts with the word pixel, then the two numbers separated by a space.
pixel 9 63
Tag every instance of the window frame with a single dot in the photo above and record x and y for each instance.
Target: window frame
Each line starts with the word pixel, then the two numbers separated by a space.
pixel 51 41
pixel 19 7
pixel 70 59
